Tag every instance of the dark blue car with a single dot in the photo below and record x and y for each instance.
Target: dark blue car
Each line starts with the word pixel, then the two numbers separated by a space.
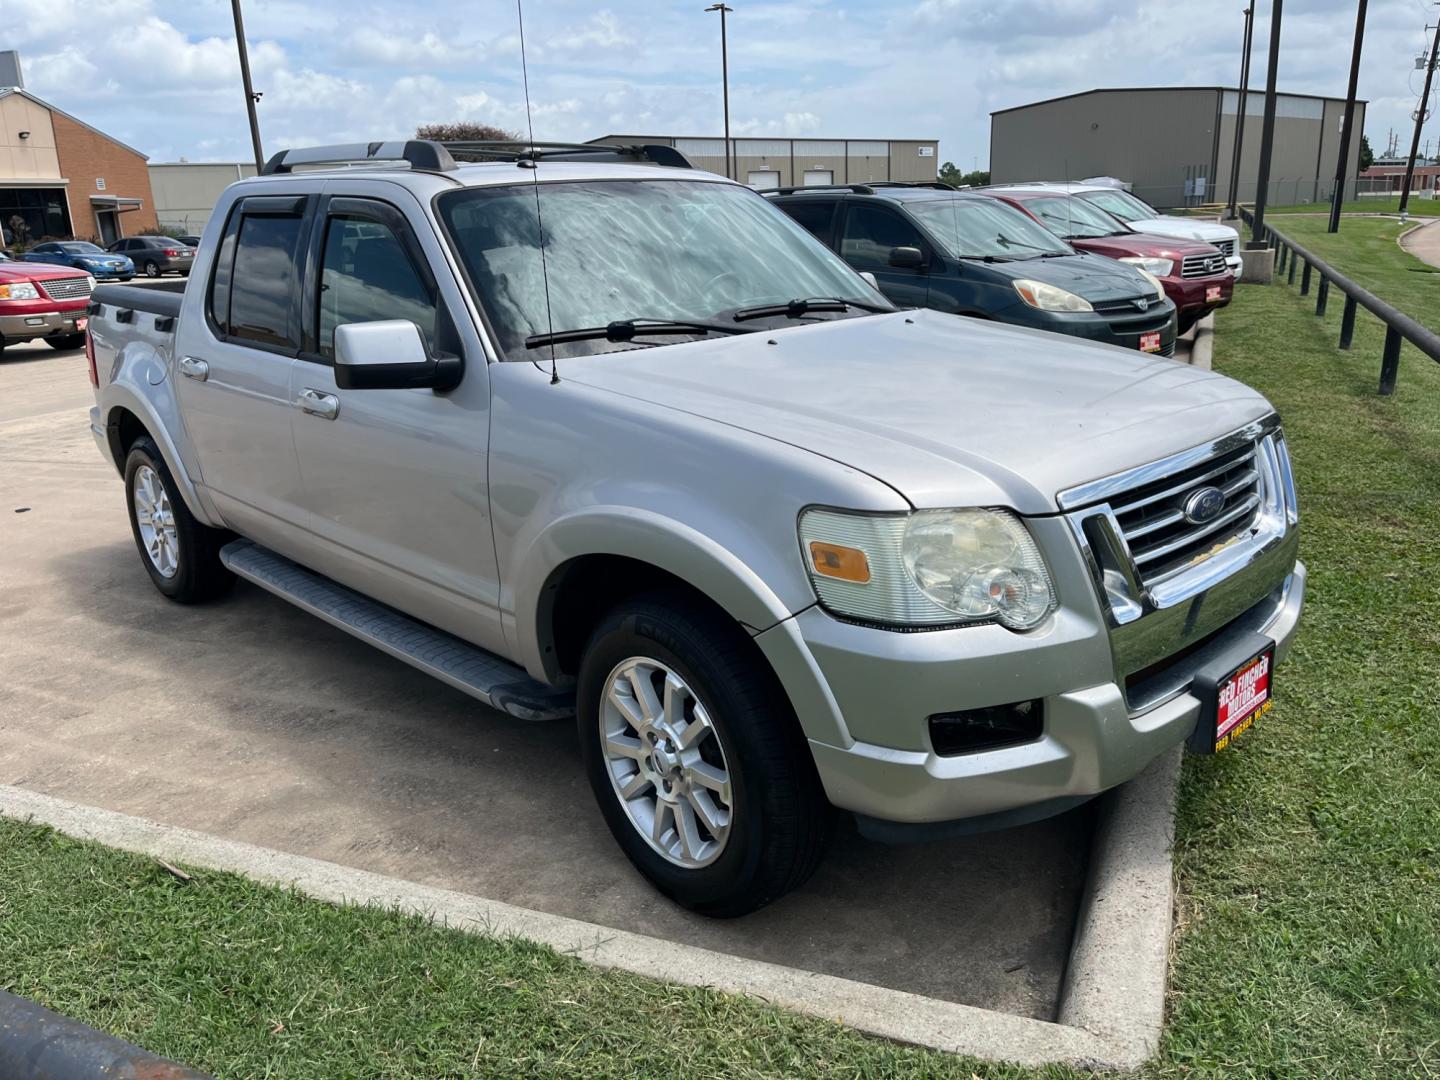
pixel 83 255
pixel 931 246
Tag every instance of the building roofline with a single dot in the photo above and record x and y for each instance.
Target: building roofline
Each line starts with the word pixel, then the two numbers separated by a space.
pixel 1259 92
pixel 73 119
pixel 758 138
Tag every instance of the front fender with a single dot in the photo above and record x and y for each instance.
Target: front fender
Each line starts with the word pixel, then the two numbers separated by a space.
pixel 648 537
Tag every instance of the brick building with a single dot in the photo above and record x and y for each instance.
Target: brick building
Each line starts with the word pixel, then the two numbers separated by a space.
pixel 60 177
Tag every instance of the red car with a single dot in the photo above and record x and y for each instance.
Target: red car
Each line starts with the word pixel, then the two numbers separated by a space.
pixel 40 301
pixel 1193 273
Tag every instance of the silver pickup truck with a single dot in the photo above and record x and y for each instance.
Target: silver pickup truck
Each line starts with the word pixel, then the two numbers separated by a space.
pixel 582 431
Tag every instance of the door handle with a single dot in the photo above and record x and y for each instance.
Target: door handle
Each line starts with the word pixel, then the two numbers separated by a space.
pixel 325 406
pixel 192 368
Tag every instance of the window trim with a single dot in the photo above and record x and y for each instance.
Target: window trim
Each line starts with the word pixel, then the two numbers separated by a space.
pixel 927 246
pixel 301 206
pixel 366 208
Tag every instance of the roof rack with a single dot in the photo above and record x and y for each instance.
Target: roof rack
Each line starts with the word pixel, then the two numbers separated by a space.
pixel 858 189
pixel 913 184
pixel 425 155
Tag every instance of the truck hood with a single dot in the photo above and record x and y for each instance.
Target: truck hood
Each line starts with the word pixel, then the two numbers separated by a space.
pixel 946 410
pixel 1095 277
pixel 1189 228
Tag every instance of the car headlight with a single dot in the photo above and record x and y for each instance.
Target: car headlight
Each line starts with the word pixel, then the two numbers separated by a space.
pixel 1156 266
pixel 1154 282
pixel 929 568
pixel 20 290
pixel 1046 297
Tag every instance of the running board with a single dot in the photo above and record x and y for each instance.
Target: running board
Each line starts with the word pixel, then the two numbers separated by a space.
pixel 471 670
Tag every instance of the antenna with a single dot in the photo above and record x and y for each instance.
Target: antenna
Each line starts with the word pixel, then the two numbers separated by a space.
pixel 539 222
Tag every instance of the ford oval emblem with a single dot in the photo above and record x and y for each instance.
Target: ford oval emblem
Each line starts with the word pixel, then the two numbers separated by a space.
pixel 1204 505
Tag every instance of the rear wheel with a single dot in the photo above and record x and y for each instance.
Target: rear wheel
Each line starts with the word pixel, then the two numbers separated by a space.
pixel 696 758
pixel 152 268
pixel 181 555
pixel 66 341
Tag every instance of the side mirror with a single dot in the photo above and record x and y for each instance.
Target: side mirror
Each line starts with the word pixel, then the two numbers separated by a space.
pixel 390 355
pixel 906 258
pixel 870 279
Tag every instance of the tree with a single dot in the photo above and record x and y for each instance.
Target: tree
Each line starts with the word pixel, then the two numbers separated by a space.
pixel 949 174
pixel 1367 155
pixel 465 131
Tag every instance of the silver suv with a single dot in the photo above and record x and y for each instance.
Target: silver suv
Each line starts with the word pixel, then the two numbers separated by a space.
pixel 581 430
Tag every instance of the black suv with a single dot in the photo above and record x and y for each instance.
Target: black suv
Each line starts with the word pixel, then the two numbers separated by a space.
pixel 928 245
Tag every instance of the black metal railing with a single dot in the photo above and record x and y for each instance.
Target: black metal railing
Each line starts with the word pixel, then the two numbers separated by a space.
pixel 1398 326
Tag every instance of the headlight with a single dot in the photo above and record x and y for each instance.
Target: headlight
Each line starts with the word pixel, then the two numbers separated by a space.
pixel 1050 297
pixel 21 290
pixel 1154 282
pixel 1158 267
pixel 930 568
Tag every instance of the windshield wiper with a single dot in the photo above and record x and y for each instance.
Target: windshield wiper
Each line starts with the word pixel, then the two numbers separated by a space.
pixel 794 309
pixel 629 329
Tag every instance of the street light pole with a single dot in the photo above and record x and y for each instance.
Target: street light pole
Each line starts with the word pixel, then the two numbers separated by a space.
pixel 1338 195
pixel 1240 113
pixel 250 96
pixel 724 79
pixel 1420 115
pixel 1267 130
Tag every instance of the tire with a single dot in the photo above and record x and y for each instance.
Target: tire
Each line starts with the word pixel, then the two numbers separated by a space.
pixel 66 341
pixel 187 566
pixel 778 818
pixel 1185 322
pixel 152 268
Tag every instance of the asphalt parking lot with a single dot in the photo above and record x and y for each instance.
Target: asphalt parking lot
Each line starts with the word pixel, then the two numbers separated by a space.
pixel 252 720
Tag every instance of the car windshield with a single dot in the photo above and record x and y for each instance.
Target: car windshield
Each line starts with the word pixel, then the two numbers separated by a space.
pixel 1074 219
pixel 81 247
pixel 1121 203
pixel 984 228
pixel 676 250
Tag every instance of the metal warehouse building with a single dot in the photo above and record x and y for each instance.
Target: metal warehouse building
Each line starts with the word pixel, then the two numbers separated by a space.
pixel 772 163
pixel 1173 144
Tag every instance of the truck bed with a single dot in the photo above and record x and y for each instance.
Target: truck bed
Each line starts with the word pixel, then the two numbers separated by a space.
pixel 136 298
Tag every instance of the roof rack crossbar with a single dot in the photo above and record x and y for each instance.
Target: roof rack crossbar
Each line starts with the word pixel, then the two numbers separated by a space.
pixel 941 185
pixel 858 189
pixel 525 150
pixel 422 155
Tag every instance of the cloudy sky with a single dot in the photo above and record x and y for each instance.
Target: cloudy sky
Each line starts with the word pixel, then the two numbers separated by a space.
pixel 161 75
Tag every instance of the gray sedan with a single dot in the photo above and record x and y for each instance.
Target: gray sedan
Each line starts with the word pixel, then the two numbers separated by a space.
pixel 156 255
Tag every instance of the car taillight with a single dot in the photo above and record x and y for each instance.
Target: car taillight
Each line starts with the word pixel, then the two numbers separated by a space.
pixel 173 254
pixel 90 359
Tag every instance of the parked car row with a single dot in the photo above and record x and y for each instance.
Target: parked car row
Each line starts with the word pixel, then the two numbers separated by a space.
pixel 1029 255
pixel 152 256
pixel 604 436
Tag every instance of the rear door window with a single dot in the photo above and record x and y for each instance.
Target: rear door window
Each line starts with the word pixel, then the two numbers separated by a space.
pixel 253 295
pixel 817 215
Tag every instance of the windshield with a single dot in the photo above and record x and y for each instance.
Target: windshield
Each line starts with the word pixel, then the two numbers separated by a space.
pixel 1073 218
pixel 81 247
pixel 1120 203
pixel 973 228
pixel 683 250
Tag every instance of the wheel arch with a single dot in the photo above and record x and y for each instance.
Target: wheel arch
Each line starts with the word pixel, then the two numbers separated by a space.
pixel 128 417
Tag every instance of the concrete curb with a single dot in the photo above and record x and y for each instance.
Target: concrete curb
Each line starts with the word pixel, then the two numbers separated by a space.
pixel 1119 960
pixel 1203 345
pixel 893 1014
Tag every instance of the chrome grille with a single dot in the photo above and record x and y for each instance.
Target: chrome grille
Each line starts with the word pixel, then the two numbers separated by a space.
pixel 77 288
pixel 1202 265
pixel 1227 247
pixel 1152 519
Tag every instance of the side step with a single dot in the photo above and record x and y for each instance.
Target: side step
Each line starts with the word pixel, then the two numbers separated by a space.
pixel 496 682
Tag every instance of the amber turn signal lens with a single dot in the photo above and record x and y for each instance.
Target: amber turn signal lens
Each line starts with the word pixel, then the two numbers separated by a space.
pixel 845 563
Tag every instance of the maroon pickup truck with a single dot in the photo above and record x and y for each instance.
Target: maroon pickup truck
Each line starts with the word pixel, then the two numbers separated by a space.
pixel 40 301
pixel 1193 273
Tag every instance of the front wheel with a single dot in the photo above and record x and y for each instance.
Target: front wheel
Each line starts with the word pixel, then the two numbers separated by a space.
pixel 696 758
pixel 66 341
pixel 181 555
pixel 1186 321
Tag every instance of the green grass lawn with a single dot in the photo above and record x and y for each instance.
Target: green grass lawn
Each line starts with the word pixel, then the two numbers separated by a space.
pixel 1417 207
pixel 1308 856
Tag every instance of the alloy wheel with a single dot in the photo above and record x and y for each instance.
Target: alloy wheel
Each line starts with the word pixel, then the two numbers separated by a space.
pixel 156 519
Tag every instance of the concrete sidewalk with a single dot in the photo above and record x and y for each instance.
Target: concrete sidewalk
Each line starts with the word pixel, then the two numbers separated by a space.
pixel 251 720
pixel 1424 242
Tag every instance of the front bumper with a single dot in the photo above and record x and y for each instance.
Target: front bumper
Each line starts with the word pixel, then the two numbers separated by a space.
pixel 38 324
pixel 1189 294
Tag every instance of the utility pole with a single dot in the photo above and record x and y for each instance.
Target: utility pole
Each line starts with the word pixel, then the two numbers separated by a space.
pixel 1267 131
pixel 251 97
pixel 1422 112
pixel 724 79
pixel 1338 195
pixel 1240 113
